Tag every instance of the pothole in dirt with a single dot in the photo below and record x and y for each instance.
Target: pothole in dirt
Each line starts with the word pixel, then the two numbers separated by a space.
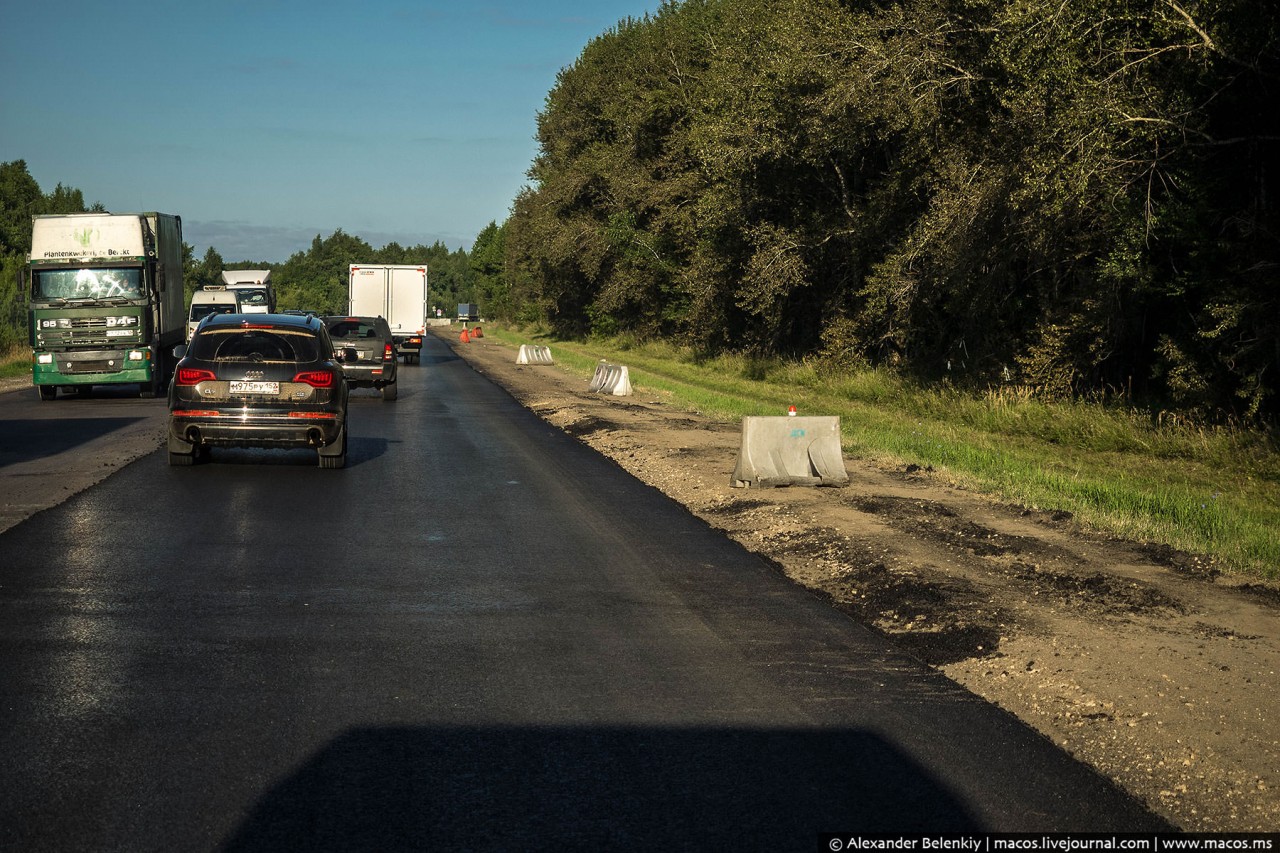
pixel 587 425
pixel 940 648
pixel 923 616
pixel 1220 633
pixel 1179 561
pixel 1100 593
pixel 737 507
pixel 900 507
pixel 940 523
pixel 1266 594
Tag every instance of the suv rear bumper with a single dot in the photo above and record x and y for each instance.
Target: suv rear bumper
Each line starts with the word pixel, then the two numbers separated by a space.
pixel 272 431
pixel 370 375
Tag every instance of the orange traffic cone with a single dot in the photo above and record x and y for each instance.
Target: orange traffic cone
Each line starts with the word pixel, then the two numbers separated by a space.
pixel 464 337
pixel 477 332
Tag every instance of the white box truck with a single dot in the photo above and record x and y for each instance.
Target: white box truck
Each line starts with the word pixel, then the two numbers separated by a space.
pixel 397 292
pixel 106 304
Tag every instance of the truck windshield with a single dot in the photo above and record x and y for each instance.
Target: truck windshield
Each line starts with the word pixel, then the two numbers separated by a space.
pixel 88 284
pixel 254 297
pixel 200 310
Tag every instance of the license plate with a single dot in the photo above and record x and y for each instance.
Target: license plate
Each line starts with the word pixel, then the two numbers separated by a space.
pixel 239 387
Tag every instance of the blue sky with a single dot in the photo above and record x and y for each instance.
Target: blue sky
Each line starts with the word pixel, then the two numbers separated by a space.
pixel 265 123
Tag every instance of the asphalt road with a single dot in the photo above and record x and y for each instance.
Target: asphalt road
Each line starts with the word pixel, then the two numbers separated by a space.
pixel 478 635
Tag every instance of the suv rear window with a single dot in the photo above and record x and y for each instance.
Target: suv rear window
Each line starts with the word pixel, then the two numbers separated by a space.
pixel 352 329
pixel 255 345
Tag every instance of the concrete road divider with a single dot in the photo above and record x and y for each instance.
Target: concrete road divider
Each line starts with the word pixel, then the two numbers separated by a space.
pixel 612 379
pixel 530 354
pixel 790 451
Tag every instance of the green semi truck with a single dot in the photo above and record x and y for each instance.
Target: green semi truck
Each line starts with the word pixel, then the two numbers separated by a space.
pixel 106 300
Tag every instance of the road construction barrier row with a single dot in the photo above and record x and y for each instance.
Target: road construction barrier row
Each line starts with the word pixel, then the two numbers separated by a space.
pixel 612 379
pixel 790 451
pixel 531 354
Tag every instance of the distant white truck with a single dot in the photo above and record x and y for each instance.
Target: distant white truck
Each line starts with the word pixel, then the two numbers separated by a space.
pixel 215 299
pixel 397 292
pixel 253 288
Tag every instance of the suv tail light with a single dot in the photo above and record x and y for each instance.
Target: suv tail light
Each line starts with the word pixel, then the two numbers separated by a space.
pixel 316 378
pixel 387 353
pixel 193 375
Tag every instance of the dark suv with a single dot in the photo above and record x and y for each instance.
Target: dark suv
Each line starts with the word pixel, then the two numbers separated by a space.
pixel 258 380
pixel 375 363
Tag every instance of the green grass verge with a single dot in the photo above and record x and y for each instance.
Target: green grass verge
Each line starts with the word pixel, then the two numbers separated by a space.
pixel 1210 491
pixel 15 362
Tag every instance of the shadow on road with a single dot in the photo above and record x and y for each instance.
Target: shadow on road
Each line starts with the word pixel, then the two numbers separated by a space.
pixel 22 440
pixel 606 789
pixel 360 449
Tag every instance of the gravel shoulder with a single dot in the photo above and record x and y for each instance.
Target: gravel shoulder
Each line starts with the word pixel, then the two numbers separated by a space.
pixel 1139 660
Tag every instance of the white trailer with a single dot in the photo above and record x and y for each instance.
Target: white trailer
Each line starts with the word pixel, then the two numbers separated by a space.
pixel 397 292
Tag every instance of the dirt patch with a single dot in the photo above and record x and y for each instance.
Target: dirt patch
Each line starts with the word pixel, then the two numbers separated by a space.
pixel 1142 661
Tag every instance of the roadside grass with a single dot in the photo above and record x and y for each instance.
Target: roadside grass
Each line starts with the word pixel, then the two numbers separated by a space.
pixel 1211 491
pixel 14 362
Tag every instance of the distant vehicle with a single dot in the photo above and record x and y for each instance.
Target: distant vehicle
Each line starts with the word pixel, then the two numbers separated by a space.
pixel 468 312
pixel 397 292
pixel 257 294
pixel 209 300
pixel 375 363
pixel 258 380
pixel 106 300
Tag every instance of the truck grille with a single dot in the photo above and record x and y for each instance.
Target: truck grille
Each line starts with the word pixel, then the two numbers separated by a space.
pixel 97 336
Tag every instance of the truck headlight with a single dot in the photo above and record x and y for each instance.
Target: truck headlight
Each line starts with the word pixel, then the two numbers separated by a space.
pixel 44 358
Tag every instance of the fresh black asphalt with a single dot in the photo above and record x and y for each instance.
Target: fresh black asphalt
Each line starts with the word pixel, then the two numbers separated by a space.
pixel 478 635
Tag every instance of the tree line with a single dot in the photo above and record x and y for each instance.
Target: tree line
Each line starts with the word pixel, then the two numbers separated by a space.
pixel 1078 197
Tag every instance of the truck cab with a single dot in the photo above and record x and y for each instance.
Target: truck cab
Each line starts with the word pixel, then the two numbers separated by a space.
pixel 253 288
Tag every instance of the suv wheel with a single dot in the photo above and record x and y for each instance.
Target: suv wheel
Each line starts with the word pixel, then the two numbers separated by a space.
pixel 390 392
pixel 335 455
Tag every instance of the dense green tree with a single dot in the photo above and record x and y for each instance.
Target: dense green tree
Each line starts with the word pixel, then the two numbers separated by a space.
pixel 487 264
pixel 1077 194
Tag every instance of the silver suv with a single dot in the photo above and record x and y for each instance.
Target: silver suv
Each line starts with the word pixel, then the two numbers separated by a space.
pixel 374 365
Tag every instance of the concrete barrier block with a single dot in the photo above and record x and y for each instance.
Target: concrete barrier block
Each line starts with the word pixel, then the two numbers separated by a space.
pixel 530 354
pixel 790 451
pixel 612 379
